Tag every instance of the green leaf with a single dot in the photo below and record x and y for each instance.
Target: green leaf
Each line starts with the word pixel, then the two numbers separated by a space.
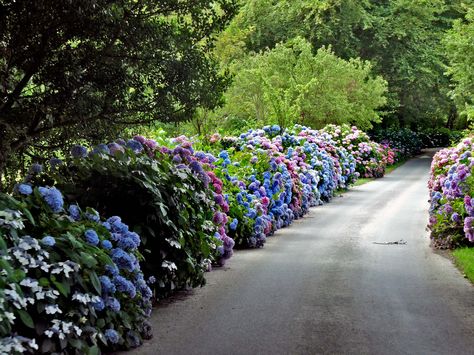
pixel 88 260
pixel 62 287
pixel 100 323
pixel 94 350
pixel 29 216
pixel 26 318
pixel 96 282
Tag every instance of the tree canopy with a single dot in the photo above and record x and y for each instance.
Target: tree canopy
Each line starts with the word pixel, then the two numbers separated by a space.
pixel 289 84
pixel 460 51
pixel 401 38
pixel 83 69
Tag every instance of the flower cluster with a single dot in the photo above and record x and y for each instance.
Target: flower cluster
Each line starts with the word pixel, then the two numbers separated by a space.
pixel 60 281
pixel 451 187
pixel 371 158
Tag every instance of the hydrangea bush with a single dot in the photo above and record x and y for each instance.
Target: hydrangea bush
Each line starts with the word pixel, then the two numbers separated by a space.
pixel 162 195
pixel 69 282
pixel 451 187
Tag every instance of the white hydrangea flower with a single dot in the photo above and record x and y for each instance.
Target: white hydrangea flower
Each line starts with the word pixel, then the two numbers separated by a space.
pixel 53 309
pixel 83 298
pixel 18 301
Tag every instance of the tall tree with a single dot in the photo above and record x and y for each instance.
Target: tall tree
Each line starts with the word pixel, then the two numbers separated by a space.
pixel 83 68
pixel 460 50
pixel 402 38
pixel 289 84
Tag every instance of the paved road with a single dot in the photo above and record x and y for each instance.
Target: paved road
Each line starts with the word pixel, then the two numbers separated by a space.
pixel 323 287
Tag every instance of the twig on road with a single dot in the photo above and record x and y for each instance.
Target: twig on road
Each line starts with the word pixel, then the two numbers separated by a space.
pixel 398 242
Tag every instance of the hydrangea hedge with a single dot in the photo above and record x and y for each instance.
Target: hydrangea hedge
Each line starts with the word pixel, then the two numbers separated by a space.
pixel 451 187
pixel 187 202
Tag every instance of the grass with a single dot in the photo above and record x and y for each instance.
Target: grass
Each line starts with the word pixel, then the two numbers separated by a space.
pixel 363 181
pixel 464 259
pixel 388 170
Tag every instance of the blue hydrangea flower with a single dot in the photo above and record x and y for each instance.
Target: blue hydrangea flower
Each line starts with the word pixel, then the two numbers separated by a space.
pixel 112 336
pixel 112 269
pixel 123 260
pixel 126 243
pixel 133 339
pixel 91 237
pixel 99 305
pixel 106 244
pixel 79 151
pixel 123 285
pixel 112 303
pixel 134 145
pixel 54 162
pixel 102 148
pixel 36 168
pixel 53 198
pixel 233 225
pixel 94 216
pixel 74 212
pixel 25 189
pixel 196 167
pixel 48 241
pixel 116 225
pixel 107 284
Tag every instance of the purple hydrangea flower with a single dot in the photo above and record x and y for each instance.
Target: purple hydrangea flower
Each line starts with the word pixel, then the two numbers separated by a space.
pixel 140 139
pixel 114 148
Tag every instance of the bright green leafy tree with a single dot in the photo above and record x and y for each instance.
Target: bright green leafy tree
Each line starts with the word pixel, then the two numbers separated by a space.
pixel 289 84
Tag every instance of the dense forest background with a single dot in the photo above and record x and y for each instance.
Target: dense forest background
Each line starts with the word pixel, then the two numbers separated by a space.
pixel 92 70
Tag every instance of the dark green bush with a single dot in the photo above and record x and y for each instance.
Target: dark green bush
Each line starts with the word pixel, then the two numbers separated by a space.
pixel 168 205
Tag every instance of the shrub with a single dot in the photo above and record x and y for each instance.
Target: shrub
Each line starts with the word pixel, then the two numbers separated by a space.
pixel 451 187
pixel 163 200
pixel 68 284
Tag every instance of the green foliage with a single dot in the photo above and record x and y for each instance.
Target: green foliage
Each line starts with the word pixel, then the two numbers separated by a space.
pixel 170 208
pixel 83 69
pixel 460 51
pixel 402 40
pixel 49 292
pixel 289 84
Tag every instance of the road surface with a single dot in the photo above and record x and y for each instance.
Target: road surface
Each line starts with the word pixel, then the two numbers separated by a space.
pixel 323 287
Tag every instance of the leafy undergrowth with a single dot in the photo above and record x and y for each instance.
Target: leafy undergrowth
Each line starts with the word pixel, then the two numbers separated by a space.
pixel 464 259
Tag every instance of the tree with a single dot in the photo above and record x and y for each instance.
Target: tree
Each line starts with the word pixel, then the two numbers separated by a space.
pixel 289 84
pixel 460 51
pixel 84 68
pixel 401 38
